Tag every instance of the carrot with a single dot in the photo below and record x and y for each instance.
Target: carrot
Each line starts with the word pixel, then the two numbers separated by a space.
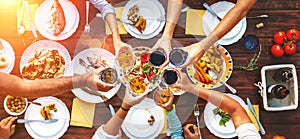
pixel 200 76
pixel 202 73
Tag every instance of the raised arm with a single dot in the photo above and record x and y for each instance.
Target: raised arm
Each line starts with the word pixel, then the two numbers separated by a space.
pixel 13 85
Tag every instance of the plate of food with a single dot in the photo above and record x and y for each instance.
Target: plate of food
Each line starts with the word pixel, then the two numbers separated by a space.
pixel 57 19
pixel 93 58
pixel 142 76
pixel 44 59
pixel 7 57
pixel 219 122
pixel 210 22
pixel 213 69
pixel 144 120
pixel 148 18
pixel 52 108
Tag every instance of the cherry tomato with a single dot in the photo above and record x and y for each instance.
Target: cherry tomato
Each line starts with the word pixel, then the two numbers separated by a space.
pixel 144 58
pixel 293 35
pixel 277 50
pixel 290 48
pixel 279 37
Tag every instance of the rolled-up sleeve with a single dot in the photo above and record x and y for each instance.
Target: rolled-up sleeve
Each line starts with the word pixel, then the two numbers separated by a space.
pixel 101 134
pixel 247 131
pixel 104 7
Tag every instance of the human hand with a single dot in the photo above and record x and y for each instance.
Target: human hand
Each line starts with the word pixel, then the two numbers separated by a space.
pixel 195 51
pixel 119 44
pixel 92 81
pixel 191 135
pixel 168 104
pixel 184 83
pixel 163 43
pixel 6 127
pixel 131 99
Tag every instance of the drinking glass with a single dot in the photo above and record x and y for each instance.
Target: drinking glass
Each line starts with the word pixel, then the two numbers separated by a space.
pixel 157 57
pixel 162 94
pixel 108 75
pixel 178 56
pixel 126 58
pixel 170 76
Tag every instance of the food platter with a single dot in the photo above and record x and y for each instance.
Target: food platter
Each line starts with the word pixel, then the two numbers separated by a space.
pixel 212 121
pixel 148 8
pixel 47 130
pixel 227 68
pixel 71 18
pixel 76 68
pixel 153 83
pixel 135 124
pixel 31 51
pixel 10 54
pixel 210 22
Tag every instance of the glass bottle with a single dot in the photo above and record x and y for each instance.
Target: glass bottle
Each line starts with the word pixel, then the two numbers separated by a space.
pixel 282 75
pixel 278 91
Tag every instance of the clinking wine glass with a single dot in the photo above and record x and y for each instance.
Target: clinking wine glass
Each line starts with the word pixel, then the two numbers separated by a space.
pixel 162 94
pixel 170 76
pixel 109 75
pixel 157 57
pixel 126 58
pixel 178 56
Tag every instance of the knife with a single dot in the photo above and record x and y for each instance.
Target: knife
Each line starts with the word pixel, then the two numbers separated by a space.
pixel 262 130
pixel 125 21
pixel 30 19
pixel 211 11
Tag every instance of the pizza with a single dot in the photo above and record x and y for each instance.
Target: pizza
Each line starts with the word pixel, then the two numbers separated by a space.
pixel 57 19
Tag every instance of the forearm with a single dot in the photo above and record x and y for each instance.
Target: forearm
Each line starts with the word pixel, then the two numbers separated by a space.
pixel 226 103
pixel 232 18
pixel 113 125
pixel 173 12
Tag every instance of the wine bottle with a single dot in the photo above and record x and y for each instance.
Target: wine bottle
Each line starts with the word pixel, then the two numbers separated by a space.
pixel 278 91
pixel 282 75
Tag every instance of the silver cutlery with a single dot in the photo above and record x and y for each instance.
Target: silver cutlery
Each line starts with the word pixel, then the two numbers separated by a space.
pixel 41 121
pixel 85 65
pixel 87 27
pixel 197 114
pixel 30 19
pixel 259 16
pixel 214 76
pixel 262 130
pixel 125 21
pixel 96 93
pixel 209 9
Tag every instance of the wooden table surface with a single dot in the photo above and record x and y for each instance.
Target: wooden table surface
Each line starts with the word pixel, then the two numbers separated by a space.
pixel 283 15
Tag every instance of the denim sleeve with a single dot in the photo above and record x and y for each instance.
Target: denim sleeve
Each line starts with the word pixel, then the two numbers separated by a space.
pixel 175 127
pixel 104 7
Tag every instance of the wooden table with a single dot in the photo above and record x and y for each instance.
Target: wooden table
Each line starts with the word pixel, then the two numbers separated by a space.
pixel 283 15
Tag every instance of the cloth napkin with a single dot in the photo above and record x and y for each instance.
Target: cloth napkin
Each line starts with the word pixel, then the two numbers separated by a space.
pixel 194 22
pixel 119 11
pixel 25 19
pixel 82 113
pixel 256 109
pixel 166 124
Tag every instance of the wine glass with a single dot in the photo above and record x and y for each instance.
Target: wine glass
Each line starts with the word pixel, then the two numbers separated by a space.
pixel 158 58
pixel 170 76
pixel 178 56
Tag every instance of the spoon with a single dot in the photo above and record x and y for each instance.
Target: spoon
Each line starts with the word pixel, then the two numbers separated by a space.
pixel 42 121
pixel 36 103
pixel 21 27
pixel 215 76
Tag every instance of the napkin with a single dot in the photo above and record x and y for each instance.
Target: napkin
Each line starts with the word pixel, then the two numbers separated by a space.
pixel 166 124
pixel 25 19
pixel 256 109
pixel 119 11
pixel 193 24
pixel 82 113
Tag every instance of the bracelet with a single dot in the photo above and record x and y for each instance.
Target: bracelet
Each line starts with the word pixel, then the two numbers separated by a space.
pixel 124 108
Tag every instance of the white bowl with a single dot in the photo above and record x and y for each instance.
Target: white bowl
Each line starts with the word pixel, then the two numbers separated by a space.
pixel 14 113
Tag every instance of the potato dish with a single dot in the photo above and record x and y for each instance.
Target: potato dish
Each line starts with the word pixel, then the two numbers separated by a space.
pixel 16 104
pixel 45 111
pixel 209 68
pixel 45 64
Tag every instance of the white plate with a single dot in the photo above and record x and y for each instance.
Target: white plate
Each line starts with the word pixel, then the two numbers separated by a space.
pixel 212 121
pixel 136 124
pixel 79 69
pixel 71 18
pixel 47 130
pixel 10 54
pixel 147 8
pixel 210 22
pixel 45 44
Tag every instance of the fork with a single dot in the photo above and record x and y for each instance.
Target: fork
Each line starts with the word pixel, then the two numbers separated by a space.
pixel 197 114
pixel 87 27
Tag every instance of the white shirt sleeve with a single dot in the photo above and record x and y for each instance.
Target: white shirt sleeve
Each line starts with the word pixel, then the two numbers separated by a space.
pixel 104 7
pixel 247 131
pixel 101 134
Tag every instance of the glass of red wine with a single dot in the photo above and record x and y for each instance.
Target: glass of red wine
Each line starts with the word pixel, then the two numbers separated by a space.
pixel 178 56
pixel 170 76
pixel 157 57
